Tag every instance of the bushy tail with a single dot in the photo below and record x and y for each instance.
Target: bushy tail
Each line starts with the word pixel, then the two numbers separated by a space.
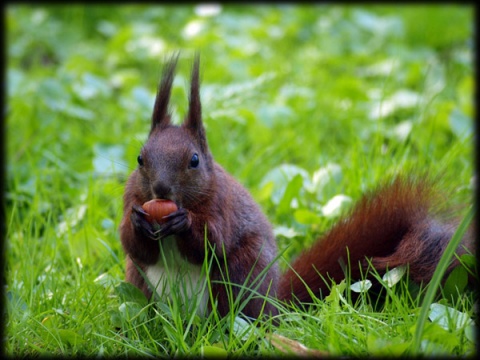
pixel 392 226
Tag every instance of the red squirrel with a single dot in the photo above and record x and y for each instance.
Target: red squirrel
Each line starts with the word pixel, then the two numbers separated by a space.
pixel 391 226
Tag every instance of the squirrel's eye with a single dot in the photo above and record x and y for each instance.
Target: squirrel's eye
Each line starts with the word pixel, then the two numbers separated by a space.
pixel 194 161
pixel 140 160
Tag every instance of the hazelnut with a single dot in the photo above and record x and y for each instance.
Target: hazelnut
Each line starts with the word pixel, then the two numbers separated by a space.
pixel 158 208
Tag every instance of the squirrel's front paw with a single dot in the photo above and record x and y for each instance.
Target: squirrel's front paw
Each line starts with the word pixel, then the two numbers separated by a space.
pixel 140 224
pixel 175 223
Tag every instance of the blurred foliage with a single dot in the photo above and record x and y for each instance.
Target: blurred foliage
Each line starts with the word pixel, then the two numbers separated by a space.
pixel 288 84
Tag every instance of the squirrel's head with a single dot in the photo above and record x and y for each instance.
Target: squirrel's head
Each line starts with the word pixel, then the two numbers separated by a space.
pixel 175 163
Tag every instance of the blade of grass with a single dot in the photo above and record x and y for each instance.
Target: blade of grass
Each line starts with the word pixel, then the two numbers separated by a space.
pixel 437 278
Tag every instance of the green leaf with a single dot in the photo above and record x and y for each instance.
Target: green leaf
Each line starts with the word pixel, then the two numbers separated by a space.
pixel 306 217
pixel 108 159
pixel 336 205
pixel 128 292
pixel 50 321
pixel 281 176
pixel 323 178
pixel 336 292
pixel 361 286
pixel 291 191
pixel 437 340
pixel 265 191
pixel 115 318
pixel 209 351
pixel 284 231
pixel 70 337
pixel 456 282
pixel 270 115
pixel 393 276
pixel 390 346
pixel 461 125
pixel 243 329
pixel 90 87
pixel 130 310
pixel 471 333
pixel 448 318
pixel 16 303
pixel 468 260
pixel 105 280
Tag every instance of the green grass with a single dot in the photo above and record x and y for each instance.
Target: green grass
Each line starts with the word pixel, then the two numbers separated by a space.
pixel 298 85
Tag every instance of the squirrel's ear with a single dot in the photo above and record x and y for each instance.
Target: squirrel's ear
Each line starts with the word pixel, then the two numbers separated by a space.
pixel 193 122
pixel 161 115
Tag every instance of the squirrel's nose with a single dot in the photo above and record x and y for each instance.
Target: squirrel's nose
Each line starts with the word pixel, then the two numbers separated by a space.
pixel 161 190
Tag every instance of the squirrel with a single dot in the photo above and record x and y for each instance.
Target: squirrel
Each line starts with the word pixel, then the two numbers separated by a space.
pixel 391 226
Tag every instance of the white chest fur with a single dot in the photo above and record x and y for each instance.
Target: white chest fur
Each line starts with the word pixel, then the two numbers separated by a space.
pixel 178 279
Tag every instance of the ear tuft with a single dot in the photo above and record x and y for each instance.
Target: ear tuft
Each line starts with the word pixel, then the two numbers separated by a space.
pixel 161 115
pixel 195 107
pixel 193 122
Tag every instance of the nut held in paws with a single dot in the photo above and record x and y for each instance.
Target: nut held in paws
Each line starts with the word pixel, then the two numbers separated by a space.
pixel 158 208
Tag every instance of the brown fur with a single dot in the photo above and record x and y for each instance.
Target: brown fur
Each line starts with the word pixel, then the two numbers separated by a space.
pixel 392 226
pixel 208 198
